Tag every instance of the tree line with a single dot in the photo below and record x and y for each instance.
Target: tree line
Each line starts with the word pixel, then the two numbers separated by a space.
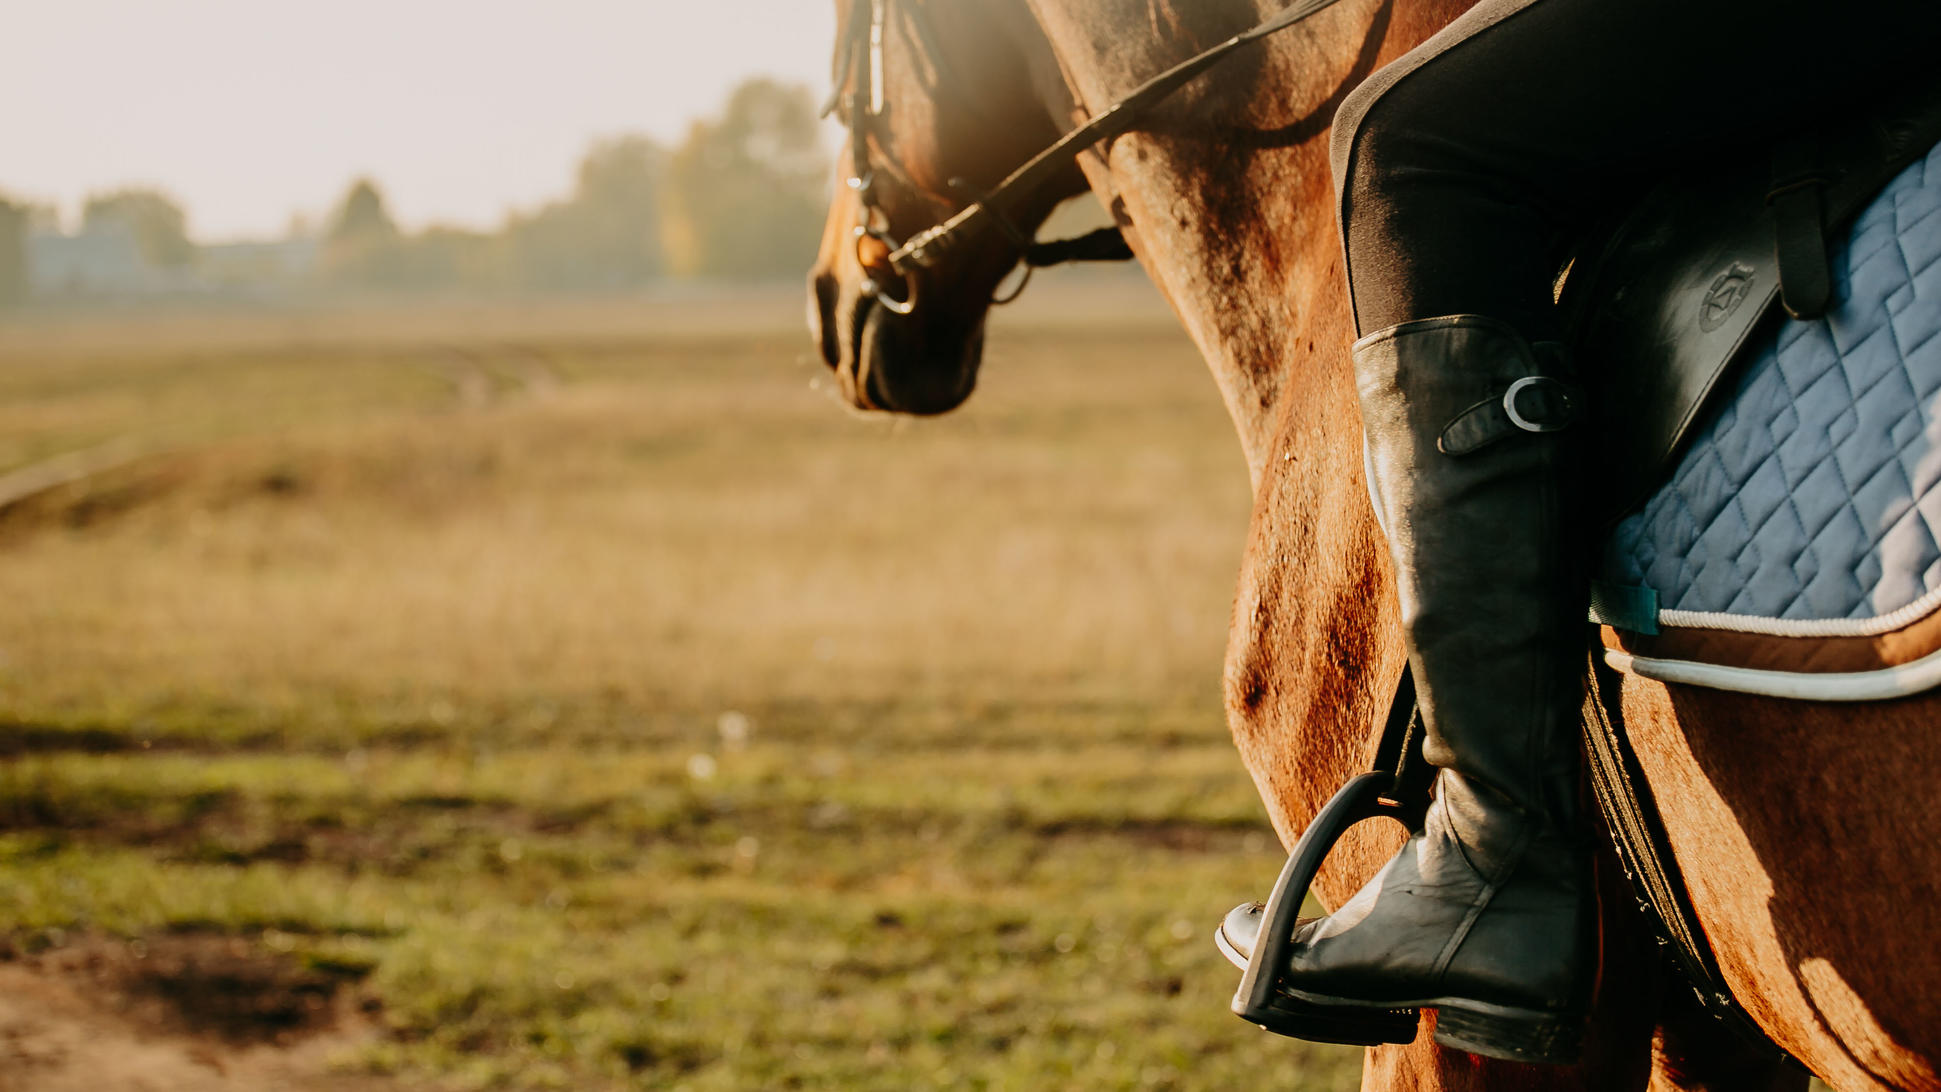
pixel 740 197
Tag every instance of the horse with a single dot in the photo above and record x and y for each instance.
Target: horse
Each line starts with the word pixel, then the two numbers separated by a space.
pixel 1789 819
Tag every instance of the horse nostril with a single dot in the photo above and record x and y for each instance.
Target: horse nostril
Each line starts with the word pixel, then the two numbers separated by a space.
pixel 824 290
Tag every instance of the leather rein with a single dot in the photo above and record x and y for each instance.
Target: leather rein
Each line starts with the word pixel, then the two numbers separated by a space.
pixel 859 97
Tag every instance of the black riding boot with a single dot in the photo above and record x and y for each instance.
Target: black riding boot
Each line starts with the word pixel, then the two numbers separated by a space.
pixel 1487 914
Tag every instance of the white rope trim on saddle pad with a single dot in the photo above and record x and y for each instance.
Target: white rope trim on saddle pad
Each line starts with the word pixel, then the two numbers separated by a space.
pixel 1881 685
pixel 1816 627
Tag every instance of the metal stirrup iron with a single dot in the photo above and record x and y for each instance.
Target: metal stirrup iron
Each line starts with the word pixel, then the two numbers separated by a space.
pixel 1398 789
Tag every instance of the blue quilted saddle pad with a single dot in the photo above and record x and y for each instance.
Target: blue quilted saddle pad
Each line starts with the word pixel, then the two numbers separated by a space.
pixel 1812 502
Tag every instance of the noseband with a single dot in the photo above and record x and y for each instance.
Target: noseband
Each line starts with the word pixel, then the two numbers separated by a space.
pixel 859 95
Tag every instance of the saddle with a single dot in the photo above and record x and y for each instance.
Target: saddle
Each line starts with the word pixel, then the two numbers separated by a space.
pixel 1762 472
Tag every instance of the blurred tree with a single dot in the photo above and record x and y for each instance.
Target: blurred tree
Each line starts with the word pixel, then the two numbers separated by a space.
pixel 607 235
pixel 13 253
pixel 363 248
pixel 362 215
pixel 43 219
pixel 619 196
pixel 158 224
pixel 440 258
pixel 543 250
pixel 746 190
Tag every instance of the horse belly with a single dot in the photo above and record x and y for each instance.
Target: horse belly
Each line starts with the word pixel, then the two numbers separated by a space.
pixel 1800 829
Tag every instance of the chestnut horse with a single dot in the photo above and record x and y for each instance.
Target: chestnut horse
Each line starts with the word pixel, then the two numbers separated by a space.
pixel 1790 821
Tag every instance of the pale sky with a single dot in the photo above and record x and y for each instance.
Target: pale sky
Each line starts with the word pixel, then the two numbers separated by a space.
pixel 249 110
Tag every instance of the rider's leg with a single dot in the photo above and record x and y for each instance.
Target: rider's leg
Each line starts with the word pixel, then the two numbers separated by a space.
pixel 1462 167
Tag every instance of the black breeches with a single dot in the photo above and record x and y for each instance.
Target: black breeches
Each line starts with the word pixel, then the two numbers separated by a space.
pixel 1466 167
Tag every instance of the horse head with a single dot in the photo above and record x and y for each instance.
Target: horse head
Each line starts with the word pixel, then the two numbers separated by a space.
pixel 939 98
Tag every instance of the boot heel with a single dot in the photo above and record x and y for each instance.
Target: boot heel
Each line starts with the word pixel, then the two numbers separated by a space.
pixel 1541 1038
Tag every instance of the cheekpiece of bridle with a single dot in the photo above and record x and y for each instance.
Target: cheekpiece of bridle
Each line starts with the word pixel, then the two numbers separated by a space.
pixel 859 97
pixel 862 104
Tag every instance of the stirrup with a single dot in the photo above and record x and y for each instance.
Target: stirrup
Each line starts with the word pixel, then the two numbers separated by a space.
pixel 1261 998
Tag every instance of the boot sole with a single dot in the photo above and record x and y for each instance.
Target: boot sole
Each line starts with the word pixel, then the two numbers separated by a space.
pixel 1512 1035
pixel 1349 1025
pixel 1503 1032
pixel 1316 1023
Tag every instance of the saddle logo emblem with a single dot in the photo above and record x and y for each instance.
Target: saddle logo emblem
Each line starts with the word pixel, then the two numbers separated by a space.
pixel 1725 296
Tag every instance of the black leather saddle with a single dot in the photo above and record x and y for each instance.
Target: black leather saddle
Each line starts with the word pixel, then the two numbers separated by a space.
pixel 1661 305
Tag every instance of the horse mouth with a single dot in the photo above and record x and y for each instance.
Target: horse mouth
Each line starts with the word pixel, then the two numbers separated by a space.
pixel 921 365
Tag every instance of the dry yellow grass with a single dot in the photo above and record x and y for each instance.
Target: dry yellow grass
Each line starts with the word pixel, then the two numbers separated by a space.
pixel 629 715
pixel 684 520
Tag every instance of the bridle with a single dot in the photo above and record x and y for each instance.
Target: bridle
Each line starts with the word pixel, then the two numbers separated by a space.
pixel 859 96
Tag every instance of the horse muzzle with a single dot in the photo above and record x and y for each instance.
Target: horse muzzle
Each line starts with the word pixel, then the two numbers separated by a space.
pixel 922 363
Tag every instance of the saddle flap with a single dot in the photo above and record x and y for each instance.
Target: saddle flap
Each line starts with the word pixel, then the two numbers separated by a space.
pixel 1677 293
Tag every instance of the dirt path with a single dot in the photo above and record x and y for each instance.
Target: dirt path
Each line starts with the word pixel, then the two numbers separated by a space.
pixel 101 1017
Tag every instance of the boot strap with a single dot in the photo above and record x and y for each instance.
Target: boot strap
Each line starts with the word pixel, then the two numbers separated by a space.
pixel 1534 403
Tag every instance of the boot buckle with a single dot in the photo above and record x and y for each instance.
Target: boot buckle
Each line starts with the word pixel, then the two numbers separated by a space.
pixel 1551 416
pixel 1534 403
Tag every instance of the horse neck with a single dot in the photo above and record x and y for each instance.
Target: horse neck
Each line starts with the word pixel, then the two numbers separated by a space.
pixel 1228 199
pixel 1231 217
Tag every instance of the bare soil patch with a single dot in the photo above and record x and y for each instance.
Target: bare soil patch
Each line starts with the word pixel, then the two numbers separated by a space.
pixel 176 1013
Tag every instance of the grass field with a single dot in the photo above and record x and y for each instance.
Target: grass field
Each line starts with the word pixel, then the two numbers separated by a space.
pixel 574 697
